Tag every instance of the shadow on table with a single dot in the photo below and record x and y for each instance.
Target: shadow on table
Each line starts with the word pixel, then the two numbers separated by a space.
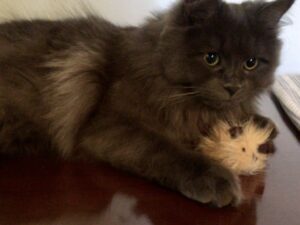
pixel 43 192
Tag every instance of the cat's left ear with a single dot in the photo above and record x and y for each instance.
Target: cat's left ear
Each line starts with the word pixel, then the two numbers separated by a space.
pixel 271 12
pixel 193 12
pixel 197 11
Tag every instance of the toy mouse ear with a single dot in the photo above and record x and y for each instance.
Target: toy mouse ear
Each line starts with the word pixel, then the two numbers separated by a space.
pixel 271 12
pixel 267 148
pixel 235 132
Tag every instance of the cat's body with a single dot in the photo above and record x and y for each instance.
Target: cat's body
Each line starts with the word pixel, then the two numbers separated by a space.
pixel 85 85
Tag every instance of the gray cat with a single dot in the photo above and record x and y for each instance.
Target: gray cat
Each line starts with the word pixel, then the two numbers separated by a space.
pixel 139 97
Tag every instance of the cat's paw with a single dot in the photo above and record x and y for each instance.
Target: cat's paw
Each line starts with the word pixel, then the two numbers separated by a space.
pixel 216 186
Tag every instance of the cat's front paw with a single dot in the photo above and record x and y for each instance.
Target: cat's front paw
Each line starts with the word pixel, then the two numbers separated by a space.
pixel 217 186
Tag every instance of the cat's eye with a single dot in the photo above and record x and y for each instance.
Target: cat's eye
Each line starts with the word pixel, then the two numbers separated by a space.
pixel 212 59
pixel 251 64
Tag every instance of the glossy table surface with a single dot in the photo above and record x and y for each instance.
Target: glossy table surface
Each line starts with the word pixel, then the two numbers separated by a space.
pixel 42 191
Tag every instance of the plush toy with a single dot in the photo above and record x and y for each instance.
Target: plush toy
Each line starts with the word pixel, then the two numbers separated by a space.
pixel 243 148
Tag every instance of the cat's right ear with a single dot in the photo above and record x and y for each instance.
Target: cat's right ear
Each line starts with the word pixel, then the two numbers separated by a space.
pixel 194 12
pixel 271 12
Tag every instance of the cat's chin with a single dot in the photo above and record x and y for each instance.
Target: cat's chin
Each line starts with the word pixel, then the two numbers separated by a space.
pixel 221 104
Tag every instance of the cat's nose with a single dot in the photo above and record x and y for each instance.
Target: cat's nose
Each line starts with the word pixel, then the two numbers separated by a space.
pixel 232 90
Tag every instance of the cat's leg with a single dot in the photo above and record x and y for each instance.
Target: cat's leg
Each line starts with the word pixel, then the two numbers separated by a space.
pixel 146 154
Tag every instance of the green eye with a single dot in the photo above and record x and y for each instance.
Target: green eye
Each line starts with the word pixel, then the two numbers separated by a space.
pixel 251 64
pixel 212 59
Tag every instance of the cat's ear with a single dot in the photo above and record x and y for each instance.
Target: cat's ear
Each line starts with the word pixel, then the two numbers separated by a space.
pixel 271 12
pixel 192 12
pixel 197 11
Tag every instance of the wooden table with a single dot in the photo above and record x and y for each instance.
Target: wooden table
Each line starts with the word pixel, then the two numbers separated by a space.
pixel 33 191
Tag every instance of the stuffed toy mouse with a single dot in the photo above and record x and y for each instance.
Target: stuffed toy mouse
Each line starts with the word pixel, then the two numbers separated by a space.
pixel 243 148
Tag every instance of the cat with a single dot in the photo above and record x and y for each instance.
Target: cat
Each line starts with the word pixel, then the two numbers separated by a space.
pixel 139 97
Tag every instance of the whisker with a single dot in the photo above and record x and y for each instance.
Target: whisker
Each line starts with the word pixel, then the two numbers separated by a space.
pixel 183 87
pixel 172 103
pixel 183 94
pixel 180 98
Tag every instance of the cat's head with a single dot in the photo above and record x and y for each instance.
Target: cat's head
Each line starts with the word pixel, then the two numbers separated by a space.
pixel 222 54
